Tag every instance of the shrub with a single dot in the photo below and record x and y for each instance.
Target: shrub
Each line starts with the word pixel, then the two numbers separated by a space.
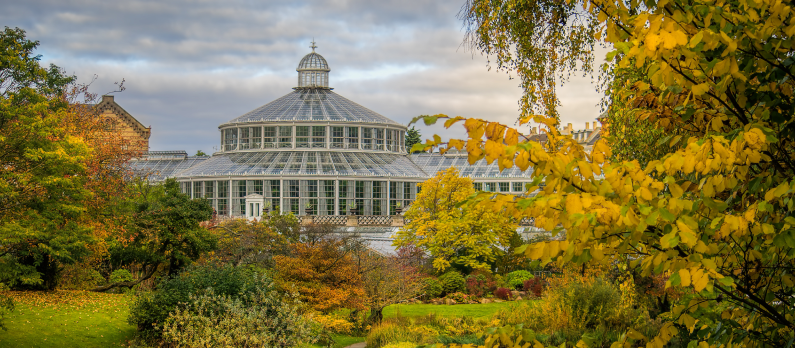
pixel 452 281
pixel 503 293
pixel 480 283
pixel 151 308
pixel 335 324
pixel 400 345
pixel 387 333
pixel 121 275
pixel 432 288
pixel 258 319
pixel 80 276
pixel 515 279
pixel 534 286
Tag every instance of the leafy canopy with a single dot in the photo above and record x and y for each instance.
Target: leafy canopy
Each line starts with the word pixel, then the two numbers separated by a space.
pixel 451 234
pixel 715 211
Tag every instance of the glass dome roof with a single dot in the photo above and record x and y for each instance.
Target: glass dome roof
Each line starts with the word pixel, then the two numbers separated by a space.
pixel 312 104
pixel 313 61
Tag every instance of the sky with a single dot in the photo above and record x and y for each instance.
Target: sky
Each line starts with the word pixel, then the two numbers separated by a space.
pixel 190 65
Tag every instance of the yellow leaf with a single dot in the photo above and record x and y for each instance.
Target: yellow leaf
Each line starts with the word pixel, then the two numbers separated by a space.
pixel 696 39
pixel 573 204
pixel 699 279
pixel 700 89
pixel 684 275
pixel 511 137
pixel 669 41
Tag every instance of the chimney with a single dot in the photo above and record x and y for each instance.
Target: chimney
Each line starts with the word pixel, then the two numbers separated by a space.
pixel 534 130
pixel 107 98
pixel 594 125
pixel 587 125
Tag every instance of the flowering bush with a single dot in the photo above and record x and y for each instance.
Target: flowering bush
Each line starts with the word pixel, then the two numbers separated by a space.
pixel 503 293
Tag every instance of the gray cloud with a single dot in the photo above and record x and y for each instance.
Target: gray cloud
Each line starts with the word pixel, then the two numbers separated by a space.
pixel 193 64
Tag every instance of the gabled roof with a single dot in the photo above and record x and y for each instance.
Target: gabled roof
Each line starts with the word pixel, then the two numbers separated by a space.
pixel 110 105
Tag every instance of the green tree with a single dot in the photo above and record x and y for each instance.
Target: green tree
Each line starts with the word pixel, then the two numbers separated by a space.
pixel 451 234
pixel 200 153
pixel 42 170
pixel 165 231
pixel 713 211
pixel 413 136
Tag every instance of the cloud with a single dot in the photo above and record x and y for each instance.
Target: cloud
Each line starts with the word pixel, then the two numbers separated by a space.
pixel 190 65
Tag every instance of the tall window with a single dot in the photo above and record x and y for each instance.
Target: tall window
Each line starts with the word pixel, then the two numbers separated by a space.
pixel 197 189
pixel 301 137
pixel 223 195
pixel 245 137
pixel 391 140
pixel 353 137
pixel 208 189
pixel 504 187
pixel 343 197
pixel 318 136
pixel 230 139
pixel 367 138
pixel 337 137
pixel 378 135
pixel 256 137
pixel 518 187
pixel 285 136
pixel 269 137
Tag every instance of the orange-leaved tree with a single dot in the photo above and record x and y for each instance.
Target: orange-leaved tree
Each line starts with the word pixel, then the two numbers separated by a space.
pixel 715 211
pixel 321 268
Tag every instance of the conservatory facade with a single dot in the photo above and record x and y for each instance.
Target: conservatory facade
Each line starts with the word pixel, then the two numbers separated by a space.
pixel 314 152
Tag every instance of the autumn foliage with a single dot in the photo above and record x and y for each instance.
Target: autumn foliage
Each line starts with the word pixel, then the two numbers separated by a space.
pixel 714 207
pixel 323 273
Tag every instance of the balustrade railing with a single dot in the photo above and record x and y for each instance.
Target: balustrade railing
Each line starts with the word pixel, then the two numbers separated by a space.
pixel 337 220
pixel 526 221
pixel 375 220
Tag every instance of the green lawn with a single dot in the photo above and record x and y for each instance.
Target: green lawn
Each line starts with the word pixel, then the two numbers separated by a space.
pixel 67 319
pixel 470 310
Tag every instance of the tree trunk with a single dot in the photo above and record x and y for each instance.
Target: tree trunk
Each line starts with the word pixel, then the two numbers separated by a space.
pixel 129 284
pixel 376 316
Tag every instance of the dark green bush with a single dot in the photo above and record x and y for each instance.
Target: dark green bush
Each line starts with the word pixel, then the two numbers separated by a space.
pixel 516 279
pixel 432 288
pixel 150 309
pixel 452 281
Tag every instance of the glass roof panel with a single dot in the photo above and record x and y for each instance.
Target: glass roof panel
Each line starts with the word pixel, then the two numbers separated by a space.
pixel 433 163
pixel 312 104
pixel 306 163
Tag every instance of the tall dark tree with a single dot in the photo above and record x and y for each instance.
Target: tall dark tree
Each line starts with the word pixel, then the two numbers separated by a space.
pixel 412 137
pixel 165 230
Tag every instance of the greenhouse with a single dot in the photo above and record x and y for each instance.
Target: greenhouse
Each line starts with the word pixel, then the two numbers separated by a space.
pixel 314 152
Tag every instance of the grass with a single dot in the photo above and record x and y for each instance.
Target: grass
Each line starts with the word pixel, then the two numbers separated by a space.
pixel 469 310
pixel 341 341
pixel 67 319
